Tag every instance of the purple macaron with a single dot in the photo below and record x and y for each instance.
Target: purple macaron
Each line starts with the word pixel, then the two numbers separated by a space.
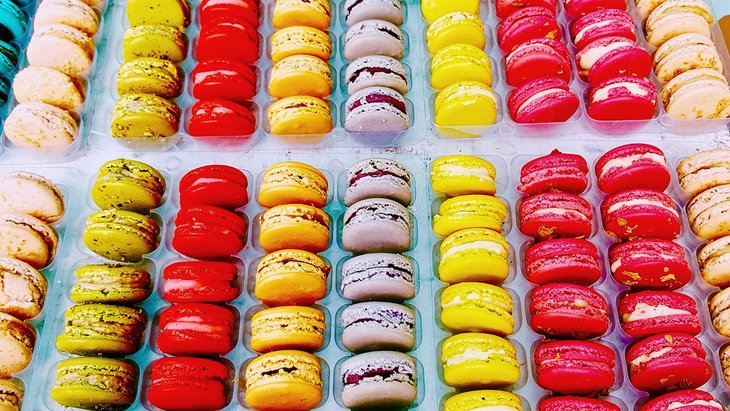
pixel 376 71
pixel 376 225
pixel 376 109
pixel 356 11
pixel 378 326
pixel 378 178
pixel 378 379
pixel 378 276
pixel 373 37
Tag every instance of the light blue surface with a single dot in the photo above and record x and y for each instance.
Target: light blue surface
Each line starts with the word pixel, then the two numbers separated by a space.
pixel 722 7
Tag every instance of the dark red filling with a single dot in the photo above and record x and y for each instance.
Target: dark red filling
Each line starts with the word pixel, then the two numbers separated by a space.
pixel 287 370
pixel 380 98
pixel 352 6
pixel 391 32
pixel 376 210
pixel 376 372
pixel 374 70
pixel 378 173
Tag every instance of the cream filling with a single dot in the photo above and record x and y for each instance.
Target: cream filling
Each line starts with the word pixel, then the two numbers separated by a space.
pixel 635 89
pixel 465 171
pixel 538 96
pixel 598 25
pixel 457 300
pixel 616 264
pixel 470 355
pixel 644 312
pixel 193 324
pixel 174 285
pixel 640 201
pixel 629 160
pixel 488 245
pixel 589 57
pixel 648 357
pixel 675 405
pixel 559 211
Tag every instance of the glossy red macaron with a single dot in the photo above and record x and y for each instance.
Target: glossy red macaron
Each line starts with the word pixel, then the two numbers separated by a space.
pixel 568 310
pixel 575 367
pixel 654 312
pixel 563 260
pixel 610 57
pixel 216 185
pixel 526 24
pixel 212 10
pixel 683 400
pixel 220 118
pixel 228 38
pixel 556 171
pixel 622 98
pixel 200 282
pixel 196 329
pixel 602 23
pixel 188 383
pixel 668 362
pixel 577 8
pixel 505 8
pixel 223 79
pixel 650 264
pixel 632 166
pixel 208 233
pixel 543 100
pixel 555 215
pixel 570 403
pixel 537 58
pixel 640 213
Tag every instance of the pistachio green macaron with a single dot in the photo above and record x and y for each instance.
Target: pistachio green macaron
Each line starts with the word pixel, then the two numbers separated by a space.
pixel 145 116
pixel 114 284
pixel 128 185
pixel 95 383
pixel 121 235
pixel 102 329
pixel 150 75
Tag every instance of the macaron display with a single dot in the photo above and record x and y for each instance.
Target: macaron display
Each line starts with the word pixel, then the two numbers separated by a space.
pixel 287 327
pixel 178 383
pixel 654 312
pixel 379 379
pixel 473 360
pixel 111 284
pixel 575 367
pixel 555 215
pixel 196 329
pixel 371 326
pixel 77 383
pixel 128 185
pixel 18 341
pixel 474 254
pixel 292 182
pixel 286 379
pixel 208 232
pixel 215 185
pixel 456 175
pixel 477 307
pixel 295 226
pixel 378 178
pixel 32 194
pixel 376 225
pixel 640 213
pixel 121 235
pixel 632 166
pixel 569 310
pixel 200 281
pixel 563 260
pixel 378 276
pixel 26 289
pixel 291 277
pixel 650 263
pixel 556 171
pixel 720 312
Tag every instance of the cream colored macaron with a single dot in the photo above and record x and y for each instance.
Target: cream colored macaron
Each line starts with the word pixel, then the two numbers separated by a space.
pixel 725 362
pixel 720 312
pixel 40 125
pixel 698 93
pixel 675 17
pixel 707 213
pixel 74 13
pixel 704 170
pixel 714 260
pixel 645 7
pixel 683 53
pixel 36 84
pixel 62 47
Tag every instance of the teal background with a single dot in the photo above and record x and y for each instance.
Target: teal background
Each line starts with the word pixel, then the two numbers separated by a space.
pixel 722 7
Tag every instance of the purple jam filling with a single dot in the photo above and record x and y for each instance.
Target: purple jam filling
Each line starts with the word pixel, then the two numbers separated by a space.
pixel 380 98
pixel 378 173
pixel 375 70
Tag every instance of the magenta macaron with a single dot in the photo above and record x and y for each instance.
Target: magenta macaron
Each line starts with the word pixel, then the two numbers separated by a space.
pixel 602 23
pixel 654 312
pixel 505 8
pixel 526 24
pixel 563 260
pixel 575 367
pixel 554 172
pixel 632 166
pixel 555 215
pixel 537 58
pixel 640 213
pixel 577 8
pixel 622 98
pixel 609 57
pixel 570 403
pixel 543 100
pixel 568 310
pixel 684 400
pixel 650 264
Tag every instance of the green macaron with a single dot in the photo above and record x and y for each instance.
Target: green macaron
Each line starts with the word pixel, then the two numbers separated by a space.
pixel 102 329
pixel 95 383
pixel 128 185
pixel 114 284
pixel 121 235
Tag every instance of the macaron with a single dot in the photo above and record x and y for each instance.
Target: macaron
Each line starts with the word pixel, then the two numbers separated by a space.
pixel 220 118
pixel 376 110
pixel 177 383
pixel 457 27
pixel 505 8
pixel 200 282
pixel 433 9
pixel 61 47
pixel 632 166
pixel 563 260
pixel 287 328
pixel 73 13
pixel 284 380
pixel 575 367
pixel 674 17
pixel 25 289
pixel 208 233
pixel 526 24
pixel 459 174
pixel 725 363
pixel 477 307
pixel 215 39
pixel 703 170
pixel 223 79
pixel 355 11
pixel 465 103
pixel 474 254
pixel 640 213
pixel 720 312
pixel 40 126
pixel 645 7
pixel 475 360
pixel 215 185
pixel 4 91
pixel 294 226
pixel 211 10
pixel 11 394
pixel 698 93
pixel 683 53
pixel 50 86
pixel 9 56
pixel 650 263
pixel 712 259
pixel 292 182
pixel 376 71
pixel 102 330
pixel 460 62
pixel 473 400
pixel 17 339
pixel 378 178
pixel 167 12
pixel 145 115
pixel 128 185
pixel 655 312
pixel 369 326
pixel 151 76
pixel 575 403
pixel 576 8
pixel 196 329
pixel 111 284
pixel 300 75
pixel 155 40
pixel 315 14
pixel 568 310
pixel 295 40
pixel 77 383
pixel 470 211
pixel 683 400
pixel 609 57
pixel 537 58
pixel 543 100
pixel 667 362
pixel 705 212
pixel 608 22
pixel 608 100
pixel 121 235
pixel 556 171
pixel 291 277
pixel 373 37
pixel 13 21
pixel 379 379
pixel 299 115
pixel 555 215
pixel 33 194
pixel 27 239
pixel 376 225
pixel 378 276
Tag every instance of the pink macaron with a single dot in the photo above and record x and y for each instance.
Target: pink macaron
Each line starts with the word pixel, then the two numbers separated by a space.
pixel 563 260
pixel 684 400
pixel 505 8
pixel 602 23
pixel 576 8
pixel 526 24
pixel 632 166
pixel 536 58
pixel 622 98
pixel 543 100
pixel 570 403
pixel 575 367
pixel 555 215
pixel 650 264
pixel 609 57
pixel 554 172
pixel 655 312
pixel 635 214
pixel 568 310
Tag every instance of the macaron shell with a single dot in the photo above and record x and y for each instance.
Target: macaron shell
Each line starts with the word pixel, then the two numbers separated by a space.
pixel 150 76
pixel 505 8
pixel 376 225
pixel 121 235
pixel 363 387
pixel 113 284
pixel 211 10
pixel 575 367
pixel 215 39
pixel 102 329
pixel 388 10
pixel 460 62
pixel 433 9
pixel 217 117
pixel 376 109
pixel 477 307
pixel 28 193
pixel 456 175
pixel 298 384
pixel 288 327
pixel 575 404
pixel 624 61
pixel 64 48
pixel 50 86
pixel 174 13
pixel 455 28
pixel 565 215
pixel 187 382
pixel 208 233
pixel 537 102
pixel 215 185
pixel 638 214
pixel 40 125
pixel 372 326
pixel 566 310
pixel 684 400
pixel 300 40
pixel 74 13
pixel 291 277
pixel 602 23
pixel 473 400
pixel 373 37
pixel 378 276
pixel 378 178
pixel 300 75
pixel 158 41
pixel 9 55
pixel 14 21
pixel 573 261
pixel 27 239
pixel 535 59
pixel 200 281
pixel 671 62
pixel 650 264
pixel 656 312
pixel 294 226
pixel 527 24
pixel 554 172
pixel 196 329
pixel 494 365
pixel 299 115
pixel 466 103
pixel 19 338
pixel 292 182
pixel 578 8
pixel 76 383
pixel 223 79
pixel 470 211
pixel 474 254
pixel 297 13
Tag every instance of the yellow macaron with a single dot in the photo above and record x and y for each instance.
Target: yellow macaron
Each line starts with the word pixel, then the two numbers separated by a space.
pixel 475 360
pixel 460 62
pixel 470 211
pixel 466 103
pixel 457 174
pixel 289 327
pixel 311 13
pixel 453 28
pixel 474 254
pixel 299 115
pixel 294 40
pixel 292 182
pixel 483 400
pixel 300 75
pixel 477 307
pixel 433 9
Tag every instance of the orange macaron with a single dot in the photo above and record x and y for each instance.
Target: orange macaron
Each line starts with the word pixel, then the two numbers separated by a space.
pixel 291 182
pixel 297 226
pixel 291 277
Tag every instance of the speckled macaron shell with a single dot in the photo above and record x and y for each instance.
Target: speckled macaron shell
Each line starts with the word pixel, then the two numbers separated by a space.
pixel 378 178
pixel 376 225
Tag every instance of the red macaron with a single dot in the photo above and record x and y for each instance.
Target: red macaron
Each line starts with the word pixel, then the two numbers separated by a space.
pixel 575 367
pixel 505 8
pixel 543 100
pixel 569 403
pixel 568 310
pixel 563 260
pixel 610 57
pixel 212 10
pixel 640 213
pixel 196 329
pixel 223 79
pixel 200 282
pixel 537 58
pixel 684 400
pixel 576 8
pixel 668 362
pixel 632 166
pixel 215 185
pixel 555 215
pixel 650 264
pixel 208 233
pixel 623 98
pixel 220 118
pixel 526 24
pixel 556 171
pixel 188 384
pixel 602 23
pixel 655 312
pixel 228 38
